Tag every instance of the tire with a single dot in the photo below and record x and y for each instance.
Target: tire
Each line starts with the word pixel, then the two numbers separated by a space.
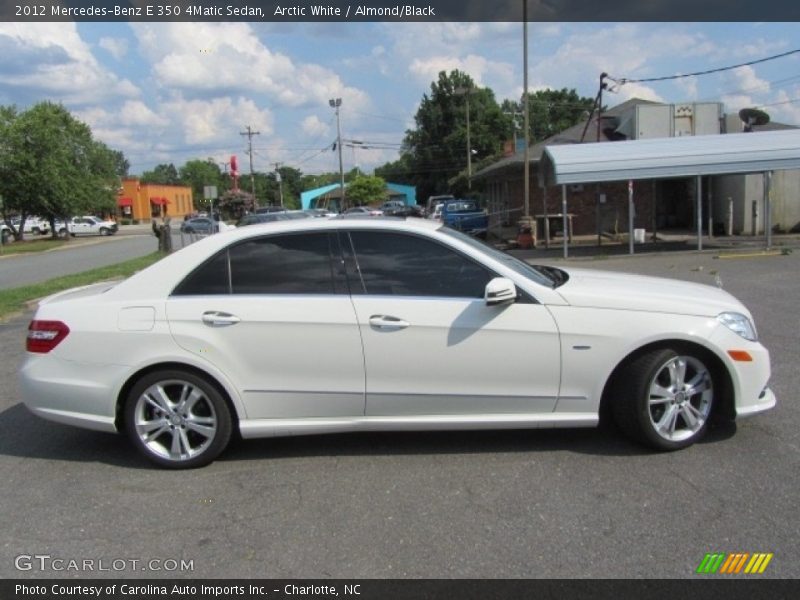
pixel 177 419
pixel 664 398
pixel 105 231
pixel 36 231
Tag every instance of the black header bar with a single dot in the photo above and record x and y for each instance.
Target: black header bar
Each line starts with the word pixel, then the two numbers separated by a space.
pixel 398 10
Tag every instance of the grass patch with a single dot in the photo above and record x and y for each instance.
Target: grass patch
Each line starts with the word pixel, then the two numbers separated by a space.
pixel 30 246
pixel 15 299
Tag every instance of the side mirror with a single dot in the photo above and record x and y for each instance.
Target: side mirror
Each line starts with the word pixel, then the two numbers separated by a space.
pixel 500 291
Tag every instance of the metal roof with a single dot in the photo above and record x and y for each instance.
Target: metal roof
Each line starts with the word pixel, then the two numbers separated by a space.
pixel 754 152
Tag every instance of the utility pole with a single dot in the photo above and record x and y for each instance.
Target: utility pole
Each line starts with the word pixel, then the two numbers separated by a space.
pixel 526 202
pixel 250 133
pixel 466 91
pixel 278 179
pixel 336 103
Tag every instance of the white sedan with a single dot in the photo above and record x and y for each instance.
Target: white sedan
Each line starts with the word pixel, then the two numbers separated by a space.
pixel 317 326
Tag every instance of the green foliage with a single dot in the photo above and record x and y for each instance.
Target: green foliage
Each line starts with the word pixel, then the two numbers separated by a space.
pixel 198 174
pixel 163 174
pixel 549 112
pixel 51 166
pixel 366 190
pixel 436 150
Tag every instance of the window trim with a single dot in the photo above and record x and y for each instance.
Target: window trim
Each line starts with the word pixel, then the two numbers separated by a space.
pixel 523 297
pixel 339 282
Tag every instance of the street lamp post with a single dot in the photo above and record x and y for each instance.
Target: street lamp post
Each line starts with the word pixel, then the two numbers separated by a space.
pixel 336 103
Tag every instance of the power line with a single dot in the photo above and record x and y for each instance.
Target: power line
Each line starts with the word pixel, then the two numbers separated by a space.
pixel 623 80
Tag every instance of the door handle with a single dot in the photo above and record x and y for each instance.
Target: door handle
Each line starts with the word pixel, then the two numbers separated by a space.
pixel 387 323
pixel 215 318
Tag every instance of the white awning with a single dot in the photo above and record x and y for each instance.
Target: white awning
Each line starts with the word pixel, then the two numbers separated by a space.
pixel 689 156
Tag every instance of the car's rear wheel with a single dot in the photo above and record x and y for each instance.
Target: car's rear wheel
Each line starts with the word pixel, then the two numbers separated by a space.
pixel 177 419
pixel 664 398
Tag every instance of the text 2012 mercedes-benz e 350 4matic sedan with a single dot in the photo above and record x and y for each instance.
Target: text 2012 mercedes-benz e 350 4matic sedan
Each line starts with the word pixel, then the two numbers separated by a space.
pixel 298 327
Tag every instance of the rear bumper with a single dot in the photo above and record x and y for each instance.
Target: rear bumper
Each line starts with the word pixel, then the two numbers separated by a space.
pixel 54 389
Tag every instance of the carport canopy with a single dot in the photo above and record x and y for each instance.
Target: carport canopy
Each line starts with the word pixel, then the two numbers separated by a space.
pixel 661 158
pixel 687 156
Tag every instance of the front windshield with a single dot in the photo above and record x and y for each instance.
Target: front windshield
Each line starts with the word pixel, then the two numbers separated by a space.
pixel 539 275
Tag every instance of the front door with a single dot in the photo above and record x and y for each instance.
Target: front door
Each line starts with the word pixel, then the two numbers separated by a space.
pixel 432 346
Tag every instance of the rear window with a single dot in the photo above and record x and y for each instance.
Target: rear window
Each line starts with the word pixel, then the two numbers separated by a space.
pixel 277 264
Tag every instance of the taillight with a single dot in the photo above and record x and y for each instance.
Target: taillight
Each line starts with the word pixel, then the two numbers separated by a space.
pixel 43 336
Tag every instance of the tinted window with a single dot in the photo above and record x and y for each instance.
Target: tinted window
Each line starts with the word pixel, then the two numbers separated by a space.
pixel 287 264
pixel 209 278
pixel 409 265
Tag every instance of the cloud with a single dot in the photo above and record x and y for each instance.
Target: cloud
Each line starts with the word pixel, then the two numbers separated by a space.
pixel 786 108
pixel 116 47
pixel 482 70
pixel 136 113
pixel 229 58
pixel 217 120
pixel 312 126
pixel 51 59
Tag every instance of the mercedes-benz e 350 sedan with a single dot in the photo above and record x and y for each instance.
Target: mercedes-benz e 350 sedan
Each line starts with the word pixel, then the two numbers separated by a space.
pixel 301 327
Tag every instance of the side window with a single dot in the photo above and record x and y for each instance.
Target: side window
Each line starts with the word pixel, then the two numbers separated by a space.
pixel 285 264
pixel 210 278
pixel 408 265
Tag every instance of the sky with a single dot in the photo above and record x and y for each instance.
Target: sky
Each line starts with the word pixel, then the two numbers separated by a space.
pixel 172 92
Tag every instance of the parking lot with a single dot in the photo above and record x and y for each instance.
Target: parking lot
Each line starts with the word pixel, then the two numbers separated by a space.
pixel 518 504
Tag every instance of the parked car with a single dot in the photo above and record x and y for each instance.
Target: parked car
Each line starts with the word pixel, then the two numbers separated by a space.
pixel 175 356
pixel 363 211
pixel 270 209
pixel 466 216
pixel 33 225
pixel 320 212
pixel 254 218
pixel 204 225
pixel 91 225
pixel 404 211
pixel 430 205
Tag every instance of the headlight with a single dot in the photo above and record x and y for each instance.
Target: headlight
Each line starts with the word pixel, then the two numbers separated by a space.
pixel 739 324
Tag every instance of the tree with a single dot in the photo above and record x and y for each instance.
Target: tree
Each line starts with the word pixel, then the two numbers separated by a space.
pixel 366 189
pixel 51 166
pixel 198 174
pixel 163 174
pixel 550 111
pixel 436 150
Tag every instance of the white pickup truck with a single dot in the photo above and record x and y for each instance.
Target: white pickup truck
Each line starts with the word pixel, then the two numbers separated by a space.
pixel 90 226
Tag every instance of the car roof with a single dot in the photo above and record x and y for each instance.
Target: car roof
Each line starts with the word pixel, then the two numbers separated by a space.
pixel 158 279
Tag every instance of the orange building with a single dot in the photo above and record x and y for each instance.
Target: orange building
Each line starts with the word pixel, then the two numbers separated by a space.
pixel 147 201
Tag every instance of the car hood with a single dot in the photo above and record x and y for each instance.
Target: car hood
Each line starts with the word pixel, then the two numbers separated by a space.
pixel 605 289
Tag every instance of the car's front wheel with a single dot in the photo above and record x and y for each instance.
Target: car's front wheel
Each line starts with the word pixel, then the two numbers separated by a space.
pixel 105 231
pixel 177 419
pixel 663 398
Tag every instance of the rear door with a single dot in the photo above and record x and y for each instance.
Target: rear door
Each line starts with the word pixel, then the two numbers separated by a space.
pixel 274 315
